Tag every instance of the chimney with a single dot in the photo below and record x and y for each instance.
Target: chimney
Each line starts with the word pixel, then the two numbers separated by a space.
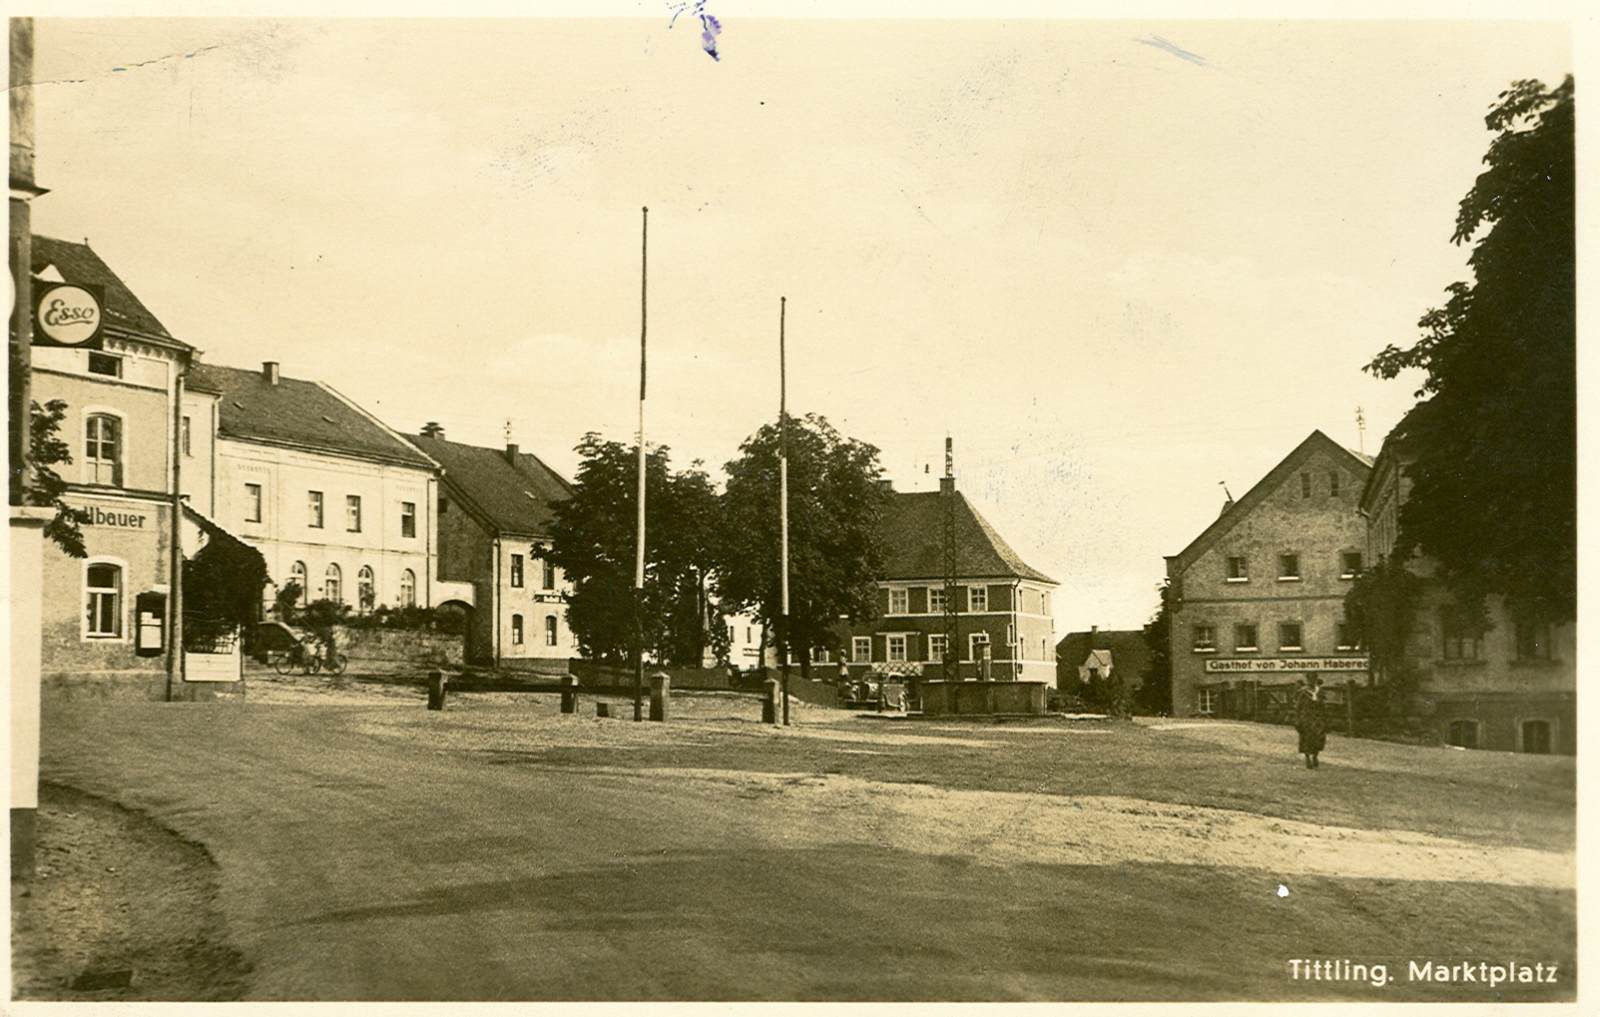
pixel 269 371
pixel 433 429
pixel 511 452
pixel 947 485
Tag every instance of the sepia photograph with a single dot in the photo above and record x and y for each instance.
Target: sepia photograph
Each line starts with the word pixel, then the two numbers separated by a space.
pixel 724 501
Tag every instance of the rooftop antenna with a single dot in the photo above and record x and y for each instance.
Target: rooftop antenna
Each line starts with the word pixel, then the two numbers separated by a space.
pixel 508 430
pixel 1361 431
pixel 1227 493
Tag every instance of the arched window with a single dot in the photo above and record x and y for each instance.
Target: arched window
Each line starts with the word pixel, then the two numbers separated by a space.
pixel 366 596
pixel 102 453
pixel 330 584
pixel 297 575
pixel 408 588
pixel 516 630
pixel 103 597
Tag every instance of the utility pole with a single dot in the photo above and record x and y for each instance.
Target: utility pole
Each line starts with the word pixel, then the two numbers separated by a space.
pixel 783 505
pixel 952 621
pixel 638 559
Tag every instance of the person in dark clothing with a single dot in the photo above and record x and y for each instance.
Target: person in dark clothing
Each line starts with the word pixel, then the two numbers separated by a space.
pixel 1309 721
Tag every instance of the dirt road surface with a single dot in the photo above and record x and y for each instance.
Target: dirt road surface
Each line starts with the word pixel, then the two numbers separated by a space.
pixel 497 850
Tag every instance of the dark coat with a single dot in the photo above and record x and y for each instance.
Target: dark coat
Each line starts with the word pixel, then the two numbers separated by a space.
pixel 1309 721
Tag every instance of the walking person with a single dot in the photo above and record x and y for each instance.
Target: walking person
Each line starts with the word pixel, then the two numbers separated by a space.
pixel 1309 721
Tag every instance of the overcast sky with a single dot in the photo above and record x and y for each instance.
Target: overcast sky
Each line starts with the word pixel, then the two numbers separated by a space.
pixel 1118 262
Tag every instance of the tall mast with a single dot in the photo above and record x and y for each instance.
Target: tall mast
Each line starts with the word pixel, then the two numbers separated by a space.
pixel 638 559
pixel 783 499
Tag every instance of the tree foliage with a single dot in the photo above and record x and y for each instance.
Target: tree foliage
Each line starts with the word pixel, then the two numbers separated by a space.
pixel 1493 495
pixel 836 505
pixel 222 586
pixel 46 450
pixel 593 541
pixel 1154 695
pixel 1381 608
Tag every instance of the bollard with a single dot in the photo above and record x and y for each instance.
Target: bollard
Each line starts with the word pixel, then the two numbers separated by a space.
pixel 569 694
pixel 602 709
pixel 770 712
pixel 660 693
pixel 436 686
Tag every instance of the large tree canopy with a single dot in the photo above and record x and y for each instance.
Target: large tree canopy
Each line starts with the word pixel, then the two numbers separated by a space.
pixel 1493 447
pixel 835 547
pixel 593 541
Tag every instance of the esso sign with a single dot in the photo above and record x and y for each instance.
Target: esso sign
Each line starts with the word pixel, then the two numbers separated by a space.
pixel 67 315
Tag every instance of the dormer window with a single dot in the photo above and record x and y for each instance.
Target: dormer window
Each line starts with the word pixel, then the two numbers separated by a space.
pixel 107 364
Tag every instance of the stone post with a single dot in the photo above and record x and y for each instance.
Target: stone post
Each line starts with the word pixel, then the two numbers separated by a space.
pixel 660 694
pixel 27 569
pixel 770 712
pixel 569 694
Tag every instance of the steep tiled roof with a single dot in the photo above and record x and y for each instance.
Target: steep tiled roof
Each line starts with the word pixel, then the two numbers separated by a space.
pixel 77 263
pixel 913 537
pixel 1130 654
pixel 295 412
pixel 514 496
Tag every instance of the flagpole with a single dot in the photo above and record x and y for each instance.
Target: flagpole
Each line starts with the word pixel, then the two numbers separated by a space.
pixel 638 559
pixel 783 498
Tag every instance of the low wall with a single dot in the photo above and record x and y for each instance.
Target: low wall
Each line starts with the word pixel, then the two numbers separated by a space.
pixel 388 651
pixel 944 698
pixel 137 686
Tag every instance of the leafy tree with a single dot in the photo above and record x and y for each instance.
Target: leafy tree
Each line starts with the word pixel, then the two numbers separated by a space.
pixel 46 450
pixel 222 586
pixel 1381 608
pixel 592 540
pixel 287 600
pixel 1154 695
pixel 1493 495
pixel 836 506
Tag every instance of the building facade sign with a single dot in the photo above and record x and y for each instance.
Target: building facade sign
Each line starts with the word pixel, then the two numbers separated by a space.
pixel 1301 664
pixel 67 314
pixel 94 515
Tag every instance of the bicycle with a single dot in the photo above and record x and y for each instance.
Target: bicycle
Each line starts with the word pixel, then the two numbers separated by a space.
pixel 299 656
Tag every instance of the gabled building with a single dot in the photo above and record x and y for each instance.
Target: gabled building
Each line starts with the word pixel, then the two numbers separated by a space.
pixel 335 501
pixel 1258 597
pixel 1004 620
pixel 128 422
pixel 1510 685
pixel 1085 658
pixel 495 508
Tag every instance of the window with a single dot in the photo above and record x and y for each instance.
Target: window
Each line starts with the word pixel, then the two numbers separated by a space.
pixel 106 364
pixel 936 645
pixel 1333 484
pixel 1244 637
pixel 1350 565
pixel 548 579
pixel 188 446
pixel 977 642
pixel 444 505
pixel 732 635
pixel 366 592
pixel 331 584
pixel 549 630
pixel 408 588
pixel 861 649
pixel 103 592
pixel 1536 737
pixel 1044 602
pixel 1238 569
pixel 1461 639
pixel 1463 733
pixel 103 451
pixel 1205 639
pixel 352 513
pixel 897 647
pixel 1345 637
pixel 899 601
pixel 314 509
pixel 252 503
pixel 749 635
pixel 1289 636
pixel 1533 640
pixel 516 630
pixel 408 519
pixel 1094 674
pixel 516 571
pixel 822 655
pixel 977 598
pixel 936 600
pixel 1305 485
pixel 1288 566
pixel 297 575
pixel 1206 701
